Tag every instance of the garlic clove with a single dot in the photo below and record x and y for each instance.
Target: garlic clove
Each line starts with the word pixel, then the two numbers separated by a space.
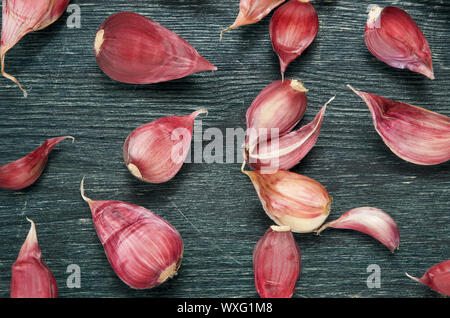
pixel 276 263
pixel 291 199
pixel 293 27
pixel 279 106
pixel 155 152
pixel 287 151
pixel 414 134
pixel 437 278
pixel 371 221
pixel 24 172
pixel 143 249
pixel 30 277
pixel 21 17
pixel 131 48
pixel 393 37
pixel 252 11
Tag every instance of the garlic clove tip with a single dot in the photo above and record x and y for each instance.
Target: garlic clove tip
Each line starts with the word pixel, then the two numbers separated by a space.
pixel 85 198
pixel 13 79
pixel 199 112
pixel 413 278
pixel 204 65
pixel 222 32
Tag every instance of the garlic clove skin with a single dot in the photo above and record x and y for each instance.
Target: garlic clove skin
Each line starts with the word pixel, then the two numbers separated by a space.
pixel 131 48
pixel 437 278
pixel 252 11
pixel 143 249
pixel 276 263
pixel 371 221
pixel 291 199
pixel 412 133
pixel 287 151
pixel 25 171
pixel 393 37
pixel 20 17
pixel 293 27
pixel 155 152
pixel 279 106
pixel 30 277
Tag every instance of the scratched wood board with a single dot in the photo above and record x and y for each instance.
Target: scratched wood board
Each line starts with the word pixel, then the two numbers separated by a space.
pixel 213 205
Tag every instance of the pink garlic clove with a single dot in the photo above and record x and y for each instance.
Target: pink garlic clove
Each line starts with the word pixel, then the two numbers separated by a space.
pixel 155 152
pixel 20 17
pixel 293 28
pixel 277 109
pixel 24 172
pixel 394 38
pixel 291 199
pixel 276 263
pixel 437 278
pixel 30 277
pixel 131 48
pixel 371 221
pixel 287 151
pixel 143 249
pixel 414 134
pixel 252 11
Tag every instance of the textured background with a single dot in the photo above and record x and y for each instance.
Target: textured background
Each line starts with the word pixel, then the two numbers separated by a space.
pixel 214 206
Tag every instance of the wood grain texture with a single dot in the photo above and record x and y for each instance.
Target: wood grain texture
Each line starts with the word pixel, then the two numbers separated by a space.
pixel 214 206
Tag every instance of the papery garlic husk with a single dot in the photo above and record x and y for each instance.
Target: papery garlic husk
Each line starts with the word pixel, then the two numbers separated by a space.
pixel 437 278
pixel 131 48
pixel 276 263
pixel 291 199
pixel 30 277
pixel 143 249
pixel 414 134
pixel 252 11
pixel 20 17
pixel 293 28
pixel 371 221
pixel 155 152
pixel 277 109
pixel 394 38
pixel 25 171
pixel 287 151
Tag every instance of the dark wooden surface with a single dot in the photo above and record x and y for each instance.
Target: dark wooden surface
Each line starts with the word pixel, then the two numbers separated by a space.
pixel 214 206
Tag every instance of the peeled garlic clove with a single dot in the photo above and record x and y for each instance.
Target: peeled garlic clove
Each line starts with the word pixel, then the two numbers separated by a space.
pixel 143 249
pixel 279 106
pixel 293 28
pixel 371 221
pixel 30 277
pixel 252 11
pixel 437 278
pixel 285 152
pixel 155 152
pixel 20 17
pixel 130 48
pixel 24 172
pixel 414 134
pixel 276 263
pixel 394 38
pixel 291 199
